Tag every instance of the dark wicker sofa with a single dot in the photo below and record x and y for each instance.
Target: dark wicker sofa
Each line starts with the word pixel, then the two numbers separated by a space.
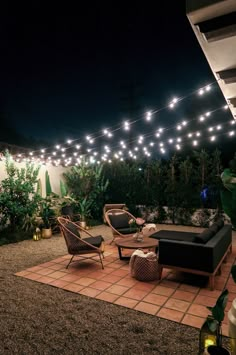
pixel 195 253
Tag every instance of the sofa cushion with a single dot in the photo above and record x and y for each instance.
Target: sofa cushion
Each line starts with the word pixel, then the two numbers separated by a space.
pixel 203 237
pixel 220 223
pixel 174 235
pixel 119 220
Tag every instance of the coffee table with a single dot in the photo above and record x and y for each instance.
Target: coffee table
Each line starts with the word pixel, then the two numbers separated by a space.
pixel 130 243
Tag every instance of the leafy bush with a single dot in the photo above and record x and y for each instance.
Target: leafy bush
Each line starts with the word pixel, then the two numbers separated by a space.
pixel 18 200
pixel 87 185
pixel 7 235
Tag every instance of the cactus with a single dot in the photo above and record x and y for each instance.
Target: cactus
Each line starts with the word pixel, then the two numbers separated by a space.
pixel 48 184
pixel 63 189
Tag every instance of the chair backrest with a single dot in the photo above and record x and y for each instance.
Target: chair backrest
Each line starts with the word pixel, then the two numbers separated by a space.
pixel 118 218
pixel 71 234
pixel 109 206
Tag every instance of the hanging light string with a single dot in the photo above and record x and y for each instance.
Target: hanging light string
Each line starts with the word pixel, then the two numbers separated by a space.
pixel 108 150
pixel 170 141
pixel 115 128
pixel 109 132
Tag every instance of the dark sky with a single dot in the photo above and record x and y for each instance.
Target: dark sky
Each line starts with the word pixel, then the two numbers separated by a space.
pixel 66 71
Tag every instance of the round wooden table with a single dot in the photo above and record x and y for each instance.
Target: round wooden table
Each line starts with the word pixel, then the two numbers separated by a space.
pixel 130 243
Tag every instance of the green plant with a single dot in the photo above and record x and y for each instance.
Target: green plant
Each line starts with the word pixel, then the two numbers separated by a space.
pixel 46 212
pixel 29 223
pixel 18 199
pixel 218 314
pixel 47 184
pixel 228 194
pixel 84 209
pixel 161 215
pixel 63 189
pixel 87 185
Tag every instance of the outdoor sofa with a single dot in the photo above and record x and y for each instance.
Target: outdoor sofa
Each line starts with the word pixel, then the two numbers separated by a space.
pixel 195 253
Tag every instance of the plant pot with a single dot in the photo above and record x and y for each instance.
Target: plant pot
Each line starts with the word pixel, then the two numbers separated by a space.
pixel 46 233
pixel 216 350
pixel 232 326
pixel 83 224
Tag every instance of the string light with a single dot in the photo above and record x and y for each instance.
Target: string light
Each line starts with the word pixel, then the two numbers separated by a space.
pixel 148 116
pixel 173 102
pixel 204 90
pixel 126 125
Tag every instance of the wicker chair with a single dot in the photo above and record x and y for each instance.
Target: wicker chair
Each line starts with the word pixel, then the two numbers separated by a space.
pixel 111 206
pixel 118 221
pixel 77 245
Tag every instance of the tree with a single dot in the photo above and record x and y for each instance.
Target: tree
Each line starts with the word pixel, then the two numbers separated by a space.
pixel 202 158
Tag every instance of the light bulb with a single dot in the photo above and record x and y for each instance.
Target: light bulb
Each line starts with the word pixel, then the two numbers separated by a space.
pixel 200 92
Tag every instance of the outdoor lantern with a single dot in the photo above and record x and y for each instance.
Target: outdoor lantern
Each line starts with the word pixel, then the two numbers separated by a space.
pixel 37 234
pixel 206 337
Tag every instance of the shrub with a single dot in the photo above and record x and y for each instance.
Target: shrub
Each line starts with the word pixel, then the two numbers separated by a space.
pixel 18 200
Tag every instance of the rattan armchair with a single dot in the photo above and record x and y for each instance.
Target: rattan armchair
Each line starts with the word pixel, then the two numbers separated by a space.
pixel 118 220
pixel 80 246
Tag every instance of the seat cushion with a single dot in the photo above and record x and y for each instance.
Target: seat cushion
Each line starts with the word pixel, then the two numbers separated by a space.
pixel 129 230
pixel 203 237
pixel 95 241
pixel 119 220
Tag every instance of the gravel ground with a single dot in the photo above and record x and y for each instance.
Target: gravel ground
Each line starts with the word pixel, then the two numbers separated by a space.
pixel 41 319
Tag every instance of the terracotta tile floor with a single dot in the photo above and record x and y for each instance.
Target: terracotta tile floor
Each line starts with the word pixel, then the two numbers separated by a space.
pixel 178 297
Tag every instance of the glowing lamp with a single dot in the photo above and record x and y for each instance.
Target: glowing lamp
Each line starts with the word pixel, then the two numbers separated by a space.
pixel 37 234
pixel 206 337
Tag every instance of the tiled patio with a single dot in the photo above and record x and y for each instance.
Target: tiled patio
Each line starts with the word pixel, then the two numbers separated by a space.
pixel 178 297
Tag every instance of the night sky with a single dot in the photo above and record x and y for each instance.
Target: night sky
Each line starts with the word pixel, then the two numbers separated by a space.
pixel 69 71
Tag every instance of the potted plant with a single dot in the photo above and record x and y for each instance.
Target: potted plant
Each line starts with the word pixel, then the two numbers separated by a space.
pixel 211 332
pixel 46 214
pixel 232 317
pixel 67 206
pixel 84 209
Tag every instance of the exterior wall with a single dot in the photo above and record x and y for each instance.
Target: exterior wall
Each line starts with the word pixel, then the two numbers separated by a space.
pixel 192 5
pixel 55 174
